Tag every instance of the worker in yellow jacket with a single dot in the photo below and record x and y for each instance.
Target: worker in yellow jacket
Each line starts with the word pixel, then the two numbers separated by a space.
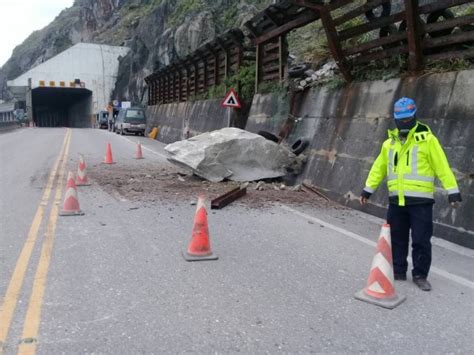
pixel 411 158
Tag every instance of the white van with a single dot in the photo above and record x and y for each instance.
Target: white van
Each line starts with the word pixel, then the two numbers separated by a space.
pixel 131 121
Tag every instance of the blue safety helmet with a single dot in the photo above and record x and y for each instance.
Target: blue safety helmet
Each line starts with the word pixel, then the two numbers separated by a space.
pixel 404 108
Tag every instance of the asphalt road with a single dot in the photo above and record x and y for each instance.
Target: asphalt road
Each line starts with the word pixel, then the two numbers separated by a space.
pixel 114 280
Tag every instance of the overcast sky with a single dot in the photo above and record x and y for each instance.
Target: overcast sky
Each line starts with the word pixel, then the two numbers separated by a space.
pixel 19 18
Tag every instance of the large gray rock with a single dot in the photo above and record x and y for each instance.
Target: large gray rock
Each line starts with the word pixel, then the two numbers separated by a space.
pixel 231 153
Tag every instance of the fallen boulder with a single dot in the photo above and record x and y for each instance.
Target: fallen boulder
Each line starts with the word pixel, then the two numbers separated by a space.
pixel 231 153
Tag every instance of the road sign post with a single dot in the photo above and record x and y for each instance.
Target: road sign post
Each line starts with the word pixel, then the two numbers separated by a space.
pixel 231 102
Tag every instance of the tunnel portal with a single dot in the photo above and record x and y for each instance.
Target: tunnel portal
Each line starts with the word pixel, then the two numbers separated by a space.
pixel 62 107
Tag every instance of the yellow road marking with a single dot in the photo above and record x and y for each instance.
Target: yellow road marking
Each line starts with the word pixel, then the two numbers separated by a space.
pixel 33 314
pixel 8 306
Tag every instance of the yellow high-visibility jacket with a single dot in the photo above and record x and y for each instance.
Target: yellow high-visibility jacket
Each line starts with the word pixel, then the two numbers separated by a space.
pixel 411 168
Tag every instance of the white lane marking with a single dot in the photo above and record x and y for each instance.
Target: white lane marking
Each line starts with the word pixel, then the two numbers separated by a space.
pixel 330 226
pixel 452 247
pixel 144 147
pixel 455 278
pixel 151 150
pixel 460 280
pixel 135 142
pixel 455 248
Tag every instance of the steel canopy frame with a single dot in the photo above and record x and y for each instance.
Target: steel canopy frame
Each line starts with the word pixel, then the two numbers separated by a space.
pixel 212 63
pixel 189 77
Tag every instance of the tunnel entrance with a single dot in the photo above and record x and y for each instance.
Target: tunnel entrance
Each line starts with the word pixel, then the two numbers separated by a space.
pixel 62 107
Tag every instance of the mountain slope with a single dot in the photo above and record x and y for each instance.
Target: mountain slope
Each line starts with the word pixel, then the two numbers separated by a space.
pixel 157 31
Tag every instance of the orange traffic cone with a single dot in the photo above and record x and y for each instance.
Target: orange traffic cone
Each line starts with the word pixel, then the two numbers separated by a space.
pixel 138 154
pixel 71 203
pixel 380 290
pixel 199 247
pixel 108 155
pixel 81 173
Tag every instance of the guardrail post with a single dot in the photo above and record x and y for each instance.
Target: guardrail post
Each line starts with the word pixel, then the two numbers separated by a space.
pixel 216 69
pixel 180 88
pixel 335 44
pixel 160 89
pixel 196 78
pixel 415 54
pixel 258 65
pixel 188 75
pixel 173 84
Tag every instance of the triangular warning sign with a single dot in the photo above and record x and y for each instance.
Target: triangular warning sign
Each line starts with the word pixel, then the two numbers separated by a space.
pixel 231 100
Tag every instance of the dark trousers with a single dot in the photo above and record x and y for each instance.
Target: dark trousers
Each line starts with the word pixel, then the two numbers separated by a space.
pixel 418 218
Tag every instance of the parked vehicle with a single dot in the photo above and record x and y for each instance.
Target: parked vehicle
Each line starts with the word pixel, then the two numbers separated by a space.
pixel 130 121
pixel 102 119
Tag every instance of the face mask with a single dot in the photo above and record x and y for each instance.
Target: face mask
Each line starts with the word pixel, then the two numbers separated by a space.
pixel 405 127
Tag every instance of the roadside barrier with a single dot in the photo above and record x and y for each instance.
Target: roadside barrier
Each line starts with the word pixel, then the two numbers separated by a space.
pixel 81 179
pixel 71 202
pixel 154 133
pixel 380 288
pixel 199 247
pixel 138 153
pixel 108 155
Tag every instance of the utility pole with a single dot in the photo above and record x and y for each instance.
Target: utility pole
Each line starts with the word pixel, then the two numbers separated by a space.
pixel 29 103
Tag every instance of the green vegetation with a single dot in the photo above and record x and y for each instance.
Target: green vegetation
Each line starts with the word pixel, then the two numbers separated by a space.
pixel 336 82
pixel 271 87
pixel 62 43
pixel 246 78
pixel 309 43
pixel 381 70
pixel 224 14
pixel 139 7
pixel 228 17
pixel 467 11
pixel 130 15
pixel 217 91
pixel 449 65
pixel 198 97
pixel 182 8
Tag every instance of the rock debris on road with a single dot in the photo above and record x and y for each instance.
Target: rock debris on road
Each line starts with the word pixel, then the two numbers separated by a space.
pixel 151 182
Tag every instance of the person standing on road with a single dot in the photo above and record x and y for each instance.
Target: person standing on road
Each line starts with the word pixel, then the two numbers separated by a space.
pixel 110 117
pixel 410 159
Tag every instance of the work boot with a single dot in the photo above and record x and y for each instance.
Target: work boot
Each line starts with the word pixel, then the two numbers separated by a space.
pixel 400 277
pixel 422 283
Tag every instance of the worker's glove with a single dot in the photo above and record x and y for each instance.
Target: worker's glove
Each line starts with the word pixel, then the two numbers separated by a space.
pixel 454 199
pixel 364 197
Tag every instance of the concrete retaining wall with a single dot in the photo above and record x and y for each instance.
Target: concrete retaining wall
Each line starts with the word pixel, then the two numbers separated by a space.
pixel 179 121
pixel 268 113
pixel 347 127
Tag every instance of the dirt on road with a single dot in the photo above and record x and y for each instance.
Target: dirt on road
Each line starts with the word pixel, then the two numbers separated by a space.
pixel 152 183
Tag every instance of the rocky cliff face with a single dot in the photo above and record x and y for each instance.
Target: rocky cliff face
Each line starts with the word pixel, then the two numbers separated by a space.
pixel 157 31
